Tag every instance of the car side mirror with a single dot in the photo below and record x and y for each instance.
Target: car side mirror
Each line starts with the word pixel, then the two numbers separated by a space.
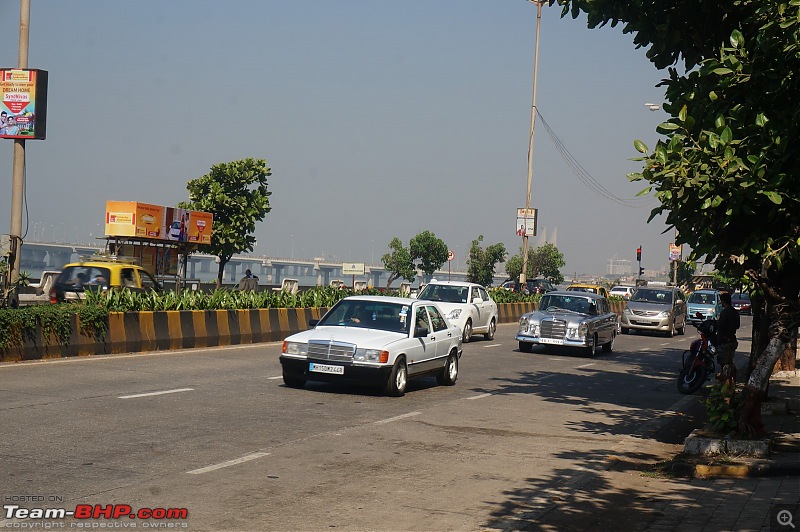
pixel 419 332
pixel 680 302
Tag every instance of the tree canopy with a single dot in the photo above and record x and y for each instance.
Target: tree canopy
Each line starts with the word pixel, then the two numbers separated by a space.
pixel 481 262
pixel 543 261
pixel 236 194
pixel 726 172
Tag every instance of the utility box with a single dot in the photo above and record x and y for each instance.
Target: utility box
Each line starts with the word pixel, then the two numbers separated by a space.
pixel 5 245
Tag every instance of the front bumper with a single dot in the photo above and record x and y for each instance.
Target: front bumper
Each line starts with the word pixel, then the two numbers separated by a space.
pixel 645 323
pixel 565 342
pixel 355 374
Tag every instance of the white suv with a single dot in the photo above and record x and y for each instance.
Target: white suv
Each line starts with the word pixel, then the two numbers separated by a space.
pixel 467 305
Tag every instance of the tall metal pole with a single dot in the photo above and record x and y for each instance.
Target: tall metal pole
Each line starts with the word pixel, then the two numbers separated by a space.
pixel 523 275
pixel 18 176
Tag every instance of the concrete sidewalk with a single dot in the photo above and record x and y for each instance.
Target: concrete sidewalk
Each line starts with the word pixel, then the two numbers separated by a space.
pixel 651 485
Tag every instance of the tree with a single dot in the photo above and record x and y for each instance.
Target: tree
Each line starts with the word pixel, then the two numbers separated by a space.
pixel 398 262
pixel 544 261
pixel 547 260
pixel 428 252
pixel 481 263
pixel 236 194
pixel 726 172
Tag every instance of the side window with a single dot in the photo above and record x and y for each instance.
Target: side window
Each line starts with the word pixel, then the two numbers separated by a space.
pixel 483 294
pixel 439 323
pixel 421 319
pixel 128 278
pixel 148 283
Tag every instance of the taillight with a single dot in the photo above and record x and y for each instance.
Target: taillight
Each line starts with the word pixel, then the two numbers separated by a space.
pixel 52 295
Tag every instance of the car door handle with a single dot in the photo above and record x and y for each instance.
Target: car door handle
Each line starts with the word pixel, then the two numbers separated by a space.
pixel 433 338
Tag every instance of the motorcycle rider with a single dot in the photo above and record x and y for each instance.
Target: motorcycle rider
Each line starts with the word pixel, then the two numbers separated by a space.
pixel 726 342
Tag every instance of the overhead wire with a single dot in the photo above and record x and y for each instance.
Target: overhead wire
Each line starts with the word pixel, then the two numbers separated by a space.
pixel 586 178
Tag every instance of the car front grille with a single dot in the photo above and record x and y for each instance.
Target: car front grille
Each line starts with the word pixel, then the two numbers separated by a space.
pixel 553 329
pixel 330 350
pixel 646 313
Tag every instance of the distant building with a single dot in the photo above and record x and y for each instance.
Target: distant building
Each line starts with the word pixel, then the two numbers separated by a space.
pixel 619 267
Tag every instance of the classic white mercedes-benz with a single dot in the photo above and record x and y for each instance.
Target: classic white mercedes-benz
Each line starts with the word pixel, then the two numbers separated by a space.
pixel 374 340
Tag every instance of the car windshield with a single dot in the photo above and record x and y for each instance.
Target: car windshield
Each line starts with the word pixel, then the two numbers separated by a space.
pixel 701 298
pixel 552 303
pixel 367 314
pixel 582 289
pixel 741 297
pixel 648 295
pixel 444 293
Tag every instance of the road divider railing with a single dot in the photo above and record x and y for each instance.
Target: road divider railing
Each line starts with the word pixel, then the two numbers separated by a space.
pixel 134 332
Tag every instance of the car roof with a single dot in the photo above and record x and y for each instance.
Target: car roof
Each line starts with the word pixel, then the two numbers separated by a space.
pixel 384 299
pixel 586 285
pixel 574 293
pixel 101 264
pixel 453 283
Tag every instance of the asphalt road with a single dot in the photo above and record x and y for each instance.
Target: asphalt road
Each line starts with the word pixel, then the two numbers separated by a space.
pixel 215 432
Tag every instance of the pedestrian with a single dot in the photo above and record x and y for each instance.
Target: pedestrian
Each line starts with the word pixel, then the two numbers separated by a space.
pixel 726 343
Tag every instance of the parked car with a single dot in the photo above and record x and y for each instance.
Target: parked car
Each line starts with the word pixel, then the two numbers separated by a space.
pixel 741 302
pixel 374 340
pixel 533 286
pixel 706 302
pixel 467 305
pixel 625 292
pixel 175 230
pixel 660 309
pixel 570 319
pixel 100 273
pixel 591 288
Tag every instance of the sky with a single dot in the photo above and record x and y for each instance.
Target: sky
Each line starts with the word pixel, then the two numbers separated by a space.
pixel 377 119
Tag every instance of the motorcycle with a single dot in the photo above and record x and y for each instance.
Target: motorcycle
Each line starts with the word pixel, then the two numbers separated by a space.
pixel 698 361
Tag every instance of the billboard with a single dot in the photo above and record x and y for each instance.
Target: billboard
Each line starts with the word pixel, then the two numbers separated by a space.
pixel 143 220
pixel 526 222
pixel 23 110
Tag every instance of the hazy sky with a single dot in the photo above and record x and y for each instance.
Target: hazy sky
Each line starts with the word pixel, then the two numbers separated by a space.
pixel 378 119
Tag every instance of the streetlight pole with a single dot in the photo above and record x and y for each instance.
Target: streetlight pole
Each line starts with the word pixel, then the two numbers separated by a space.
pixel 523 275
pixel 18 171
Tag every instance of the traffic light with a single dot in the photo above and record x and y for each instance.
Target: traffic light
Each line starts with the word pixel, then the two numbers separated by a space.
pixel 639 254
pixel 641 271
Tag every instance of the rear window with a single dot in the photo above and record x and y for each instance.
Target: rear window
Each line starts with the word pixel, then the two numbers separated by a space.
pixel 79 277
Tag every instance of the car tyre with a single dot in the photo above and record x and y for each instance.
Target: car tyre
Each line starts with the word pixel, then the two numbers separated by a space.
pixel 398 379
pixel 671 331
pixel 525 347
pixel 609 346
pixel 293 381
pixel 467 336
pixel 449 373
pixel 682 330
pixel 492 329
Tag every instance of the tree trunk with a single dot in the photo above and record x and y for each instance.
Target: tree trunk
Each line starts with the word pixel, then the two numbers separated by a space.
pixel 221 271
pixel 750 423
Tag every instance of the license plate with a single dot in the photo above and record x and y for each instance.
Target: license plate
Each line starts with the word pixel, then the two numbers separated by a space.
pixel 326 368
pixel 553 341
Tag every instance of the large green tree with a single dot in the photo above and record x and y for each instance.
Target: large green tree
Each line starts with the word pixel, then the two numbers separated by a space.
pixel 725 172
pixel 428 252
pixel 481 262
pixel 236 194
pixel 398 262
pixel 545 261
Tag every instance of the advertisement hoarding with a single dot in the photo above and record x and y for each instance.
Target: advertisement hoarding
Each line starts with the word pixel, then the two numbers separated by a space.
pixel 526 222
pixel 143 220
pixel 23 110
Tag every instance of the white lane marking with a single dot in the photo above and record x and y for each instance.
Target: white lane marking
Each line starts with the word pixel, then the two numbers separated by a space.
pixel 493 345
pixel 154 393
pixel 481 396
pixel 396 418
pixel 546 377
pixel 235 461
pixel 273 378
pixel 585 365
pixel 559 359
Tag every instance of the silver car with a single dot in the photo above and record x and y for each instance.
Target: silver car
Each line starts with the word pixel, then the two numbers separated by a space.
pixel 661 309
pixel 570 319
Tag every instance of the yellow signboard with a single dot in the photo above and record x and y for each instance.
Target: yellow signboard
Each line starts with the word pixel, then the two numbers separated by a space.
pixel 143 220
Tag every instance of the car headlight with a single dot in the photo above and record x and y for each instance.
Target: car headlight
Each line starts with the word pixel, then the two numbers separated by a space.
pixel 523 324
pixel 454 314
pixel 295 348
pixel 577 331
pixel 664 314
pixel 367 355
